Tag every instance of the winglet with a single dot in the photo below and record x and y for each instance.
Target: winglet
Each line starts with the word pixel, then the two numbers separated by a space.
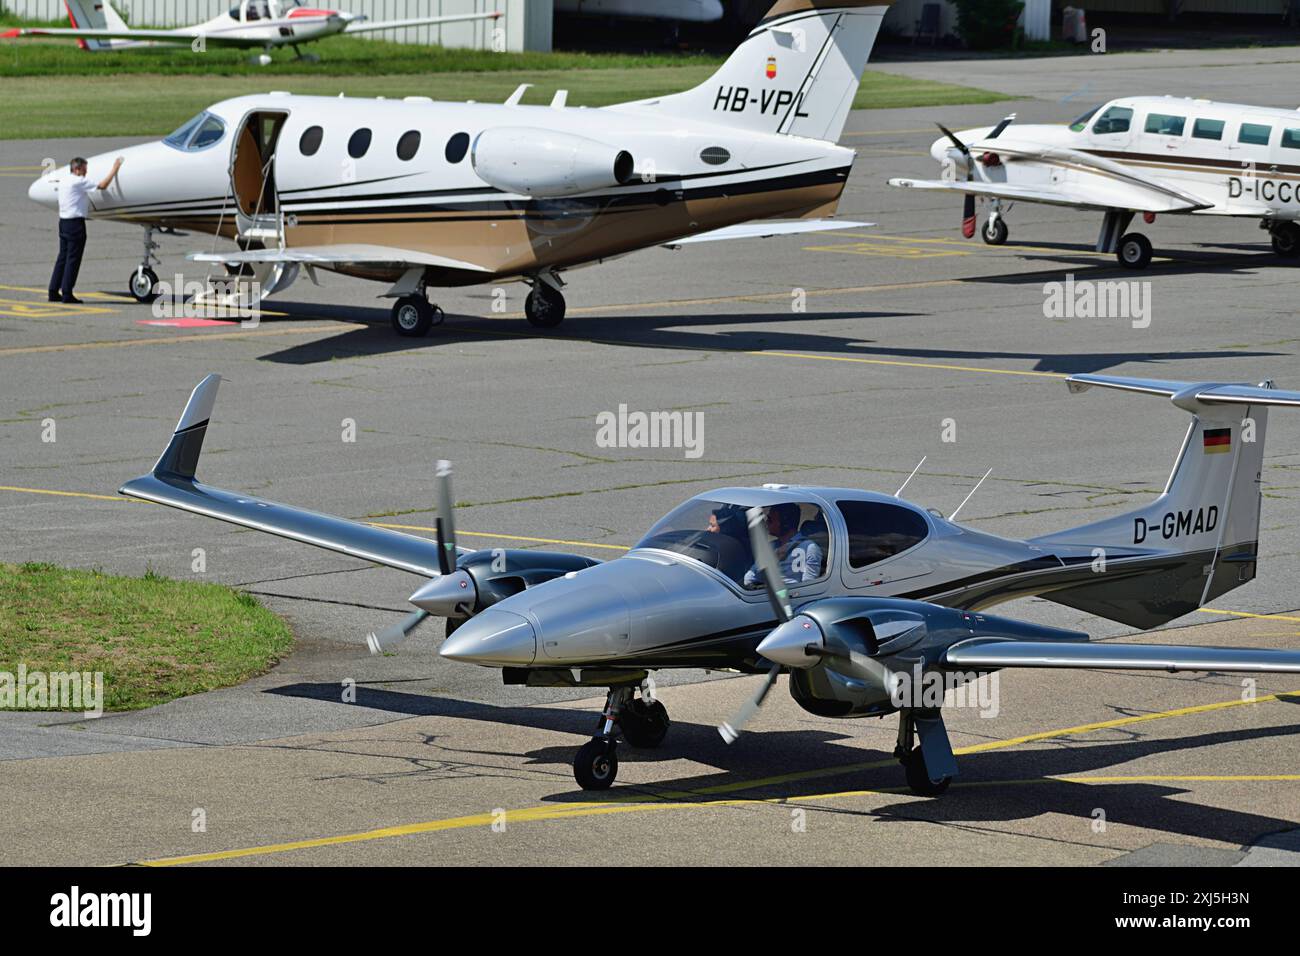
pixel 181 456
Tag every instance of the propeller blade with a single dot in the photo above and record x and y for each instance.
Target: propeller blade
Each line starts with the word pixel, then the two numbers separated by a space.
pixel 961 147
pixel 968 219
pixel 997 130
pixel 393 635
pixel 730 729
pixel 765 558
pixel 446 523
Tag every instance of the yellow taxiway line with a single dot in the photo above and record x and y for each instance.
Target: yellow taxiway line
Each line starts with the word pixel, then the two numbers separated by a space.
pixel 643 802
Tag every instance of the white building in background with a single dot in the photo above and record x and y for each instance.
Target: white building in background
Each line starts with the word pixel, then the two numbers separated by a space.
pixel 527 23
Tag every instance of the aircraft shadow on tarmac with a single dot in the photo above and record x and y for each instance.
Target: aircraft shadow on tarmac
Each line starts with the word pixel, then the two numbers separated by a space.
pixel 995 787
pixel 765 333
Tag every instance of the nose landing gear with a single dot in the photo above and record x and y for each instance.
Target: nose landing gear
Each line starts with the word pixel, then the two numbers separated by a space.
pixel 642 722
pixel 143 280
pixel 545 305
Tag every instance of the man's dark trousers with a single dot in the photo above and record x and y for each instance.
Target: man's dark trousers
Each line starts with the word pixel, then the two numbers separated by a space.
pixel 72 242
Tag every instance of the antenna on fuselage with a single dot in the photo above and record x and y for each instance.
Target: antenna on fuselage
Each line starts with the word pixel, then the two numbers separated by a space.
pixel 911 476
pixel 969 496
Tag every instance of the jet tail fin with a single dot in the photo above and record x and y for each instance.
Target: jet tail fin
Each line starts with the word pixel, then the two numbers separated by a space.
pixel 1200 538
pixel 797 73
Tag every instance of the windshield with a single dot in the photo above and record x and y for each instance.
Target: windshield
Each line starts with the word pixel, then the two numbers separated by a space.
pixel 201 132
pixel 717 534
pixel 1081 123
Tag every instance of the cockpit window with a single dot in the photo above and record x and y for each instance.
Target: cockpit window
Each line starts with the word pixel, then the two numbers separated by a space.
pixel 1081 123
pixel 1114 120
pixel 878 530
pixel 199 133
pixel 717 534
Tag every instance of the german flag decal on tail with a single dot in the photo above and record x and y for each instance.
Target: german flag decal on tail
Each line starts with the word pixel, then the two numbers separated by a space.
pixel 1218 440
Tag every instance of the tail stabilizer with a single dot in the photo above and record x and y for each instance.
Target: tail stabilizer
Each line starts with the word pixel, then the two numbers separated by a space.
pixel 1200 538
pixel 94 15
pixel 797 73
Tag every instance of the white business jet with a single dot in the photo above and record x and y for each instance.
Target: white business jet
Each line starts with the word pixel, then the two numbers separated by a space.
pixel 253 24
pixel 418 194
pixel 1149 155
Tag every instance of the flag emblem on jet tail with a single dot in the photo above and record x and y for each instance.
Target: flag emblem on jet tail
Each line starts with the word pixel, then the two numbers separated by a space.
pixel 771 68
pixel 1218 440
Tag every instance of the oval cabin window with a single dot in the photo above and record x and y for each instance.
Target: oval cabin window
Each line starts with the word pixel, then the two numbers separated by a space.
pixel 408 146
pixel 310 141
pixel 457 147
pixel 359 143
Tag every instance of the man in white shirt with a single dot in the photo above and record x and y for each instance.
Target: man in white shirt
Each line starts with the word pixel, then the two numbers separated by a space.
pixel 74 207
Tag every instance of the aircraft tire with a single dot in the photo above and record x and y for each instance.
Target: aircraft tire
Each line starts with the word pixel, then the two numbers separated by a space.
pixel 141 283
pixel 596 765
pixel 544 307
pixel 644 723
pixel 412 316
pixel 1286 240
pixel 1134 251
pixel 995 232
pixel 918 778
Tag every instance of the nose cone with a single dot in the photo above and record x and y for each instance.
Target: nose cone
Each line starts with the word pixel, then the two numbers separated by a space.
pixel 448 595
pixel 42 191
pixel 493 639
pixel 786 645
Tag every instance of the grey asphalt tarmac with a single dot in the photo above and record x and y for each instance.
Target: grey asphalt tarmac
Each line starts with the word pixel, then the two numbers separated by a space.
pixel 906 326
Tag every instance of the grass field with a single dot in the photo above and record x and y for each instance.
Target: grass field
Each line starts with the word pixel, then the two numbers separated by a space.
pixel 153 638
pixel 135 104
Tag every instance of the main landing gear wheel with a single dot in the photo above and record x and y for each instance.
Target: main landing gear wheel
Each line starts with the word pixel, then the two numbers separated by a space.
pixel 918 777
pixel 413 316
pixel 544 306
pixel 1286 240
pixel 995 231
pixel 644 723
pixel 141 284
pixel 1134 251
pixel 596 765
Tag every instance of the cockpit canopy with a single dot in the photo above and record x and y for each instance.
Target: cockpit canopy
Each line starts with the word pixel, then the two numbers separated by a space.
pixel 716 533
pixel 204 130
pixel 251 11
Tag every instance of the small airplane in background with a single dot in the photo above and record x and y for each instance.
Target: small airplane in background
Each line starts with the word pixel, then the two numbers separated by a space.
pixel 857 592
pixel 250 23
pixel 1148 155
pixel 418 194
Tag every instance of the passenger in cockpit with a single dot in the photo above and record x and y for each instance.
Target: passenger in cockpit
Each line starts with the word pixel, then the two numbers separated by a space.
pixel 800 557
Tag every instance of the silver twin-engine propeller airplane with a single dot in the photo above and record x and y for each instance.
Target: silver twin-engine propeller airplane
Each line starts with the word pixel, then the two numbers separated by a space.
pixel 250 24
pixel 845 590
pixel 1148 154
pixel 418 194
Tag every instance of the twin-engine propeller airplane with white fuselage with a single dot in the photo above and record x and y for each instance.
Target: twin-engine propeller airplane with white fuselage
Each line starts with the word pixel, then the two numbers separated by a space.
pixel 250 24
pixel 418 194
pixel 1146 154
pixel 853 593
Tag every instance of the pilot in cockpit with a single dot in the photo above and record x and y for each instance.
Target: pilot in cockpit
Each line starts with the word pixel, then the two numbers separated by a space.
pixel 800 557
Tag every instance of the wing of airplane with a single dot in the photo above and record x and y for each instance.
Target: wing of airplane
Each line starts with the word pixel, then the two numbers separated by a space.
pixel 1096 182
pixel 354 254
pixel 154 36
pixel 365 26
pixel 765 230
pixel 981 653
pixel 172 483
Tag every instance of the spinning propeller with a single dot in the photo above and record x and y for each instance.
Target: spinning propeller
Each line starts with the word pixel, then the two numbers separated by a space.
pixel 798 641
pixel 446 595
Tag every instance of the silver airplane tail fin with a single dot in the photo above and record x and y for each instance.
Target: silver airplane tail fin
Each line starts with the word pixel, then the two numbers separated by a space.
pixel 797 73
pixel 1201 536
pixel 95 15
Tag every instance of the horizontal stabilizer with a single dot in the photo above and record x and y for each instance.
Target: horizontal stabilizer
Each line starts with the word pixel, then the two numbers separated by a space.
pixel 1208 393
pixel 979 653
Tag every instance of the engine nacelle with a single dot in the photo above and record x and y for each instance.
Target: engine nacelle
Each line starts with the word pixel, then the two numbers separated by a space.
pixel 544 163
